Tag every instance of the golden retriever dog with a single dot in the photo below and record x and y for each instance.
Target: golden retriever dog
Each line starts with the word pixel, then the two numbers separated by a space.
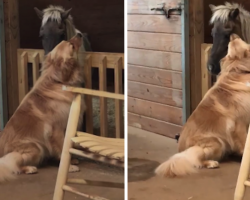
pixel 218 126
pixel 36 130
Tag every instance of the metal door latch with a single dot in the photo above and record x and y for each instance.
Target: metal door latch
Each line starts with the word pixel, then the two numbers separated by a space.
pixel 168 10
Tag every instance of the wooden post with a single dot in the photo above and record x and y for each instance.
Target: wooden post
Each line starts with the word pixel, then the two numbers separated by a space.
pixel 3 77
pixel 103 100
pixel 12 43
pixel 23 75
pixel 35 66
pixel 119 124
pixel 205 75
pixel 196 38
pixel 88 98
pixel 66 156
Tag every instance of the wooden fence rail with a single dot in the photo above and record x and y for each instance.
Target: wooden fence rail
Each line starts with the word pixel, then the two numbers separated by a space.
pixel 89 60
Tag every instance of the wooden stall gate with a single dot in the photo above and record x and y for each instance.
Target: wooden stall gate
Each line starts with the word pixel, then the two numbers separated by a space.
pixel 89 60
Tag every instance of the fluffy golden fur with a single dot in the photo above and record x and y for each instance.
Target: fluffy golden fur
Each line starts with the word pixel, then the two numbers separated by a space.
pixel 218 126
pixel 36 130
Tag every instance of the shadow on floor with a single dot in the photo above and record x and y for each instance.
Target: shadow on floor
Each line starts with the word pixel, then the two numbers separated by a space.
pixel 141 169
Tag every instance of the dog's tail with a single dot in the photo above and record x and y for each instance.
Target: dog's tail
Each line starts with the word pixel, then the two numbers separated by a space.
pixel 183 163
pixel 9 166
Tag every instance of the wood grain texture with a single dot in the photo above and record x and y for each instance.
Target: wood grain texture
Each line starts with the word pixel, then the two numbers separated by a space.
pixel 153 125
pixel 12 42
pixel 88 98
pixel 155 59
pixel 119 122
pixel 144 6
pixel 96 57
pixel 152 76
pixel 196 38
pixel 155 93
pixel 206 79
pixel 103 100
pixel 154 23
pixel 155 41
pixel 155 110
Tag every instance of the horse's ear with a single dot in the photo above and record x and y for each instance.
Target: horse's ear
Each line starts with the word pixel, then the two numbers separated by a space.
pixel 66 13
pixel 234 13
pixel 39 13
pixel 212 7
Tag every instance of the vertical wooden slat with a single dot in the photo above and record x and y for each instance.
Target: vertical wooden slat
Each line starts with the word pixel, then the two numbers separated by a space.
pixel 103 100
pixel 118 103
pixel 23 75
pixel 205 76
pixel 12 43
pixel 88 98
pixel 35 66
pixel 3 72
pixel 196 38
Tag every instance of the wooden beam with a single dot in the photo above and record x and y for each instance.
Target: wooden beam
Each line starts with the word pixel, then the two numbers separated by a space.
pixel 3 84
pixel 103 100
pixel 185 62
pixel 12 42
pixel 196 38
pixel 88 99
pixel 91 92
pixel 119 123
pixel 95 57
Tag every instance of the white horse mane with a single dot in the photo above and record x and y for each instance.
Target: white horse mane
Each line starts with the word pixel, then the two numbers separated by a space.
pixel 221 13
pixel 54 13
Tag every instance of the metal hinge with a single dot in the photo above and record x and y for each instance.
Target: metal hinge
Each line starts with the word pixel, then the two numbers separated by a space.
pixel 167 11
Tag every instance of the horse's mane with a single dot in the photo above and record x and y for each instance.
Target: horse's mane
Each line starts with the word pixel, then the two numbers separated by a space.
pixel 54 13
pixel 221 13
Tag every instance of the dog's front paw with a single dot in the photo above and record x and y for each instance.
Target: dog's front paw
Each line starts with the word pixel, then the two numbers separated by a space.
pixel 73 168
pixel 29 170
pixel 211 164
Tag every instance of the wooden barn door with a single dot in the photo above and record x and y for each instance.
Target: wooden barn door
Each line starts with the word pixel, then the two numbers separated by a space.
pixel 158 87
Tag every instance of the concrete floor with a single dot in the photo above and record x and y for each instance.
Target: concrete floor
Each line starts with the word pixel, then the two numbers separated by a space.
pixel 41 186
pixel 147 150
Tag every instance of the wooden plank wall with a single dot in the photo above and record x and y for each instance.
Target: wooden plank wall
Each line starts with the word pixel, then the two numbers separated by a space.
pixel 154 68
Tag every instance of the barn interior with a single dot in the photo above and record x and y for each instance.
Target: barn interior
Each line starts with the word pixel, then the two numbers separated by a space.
pixel 156 147
pixel 103 21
